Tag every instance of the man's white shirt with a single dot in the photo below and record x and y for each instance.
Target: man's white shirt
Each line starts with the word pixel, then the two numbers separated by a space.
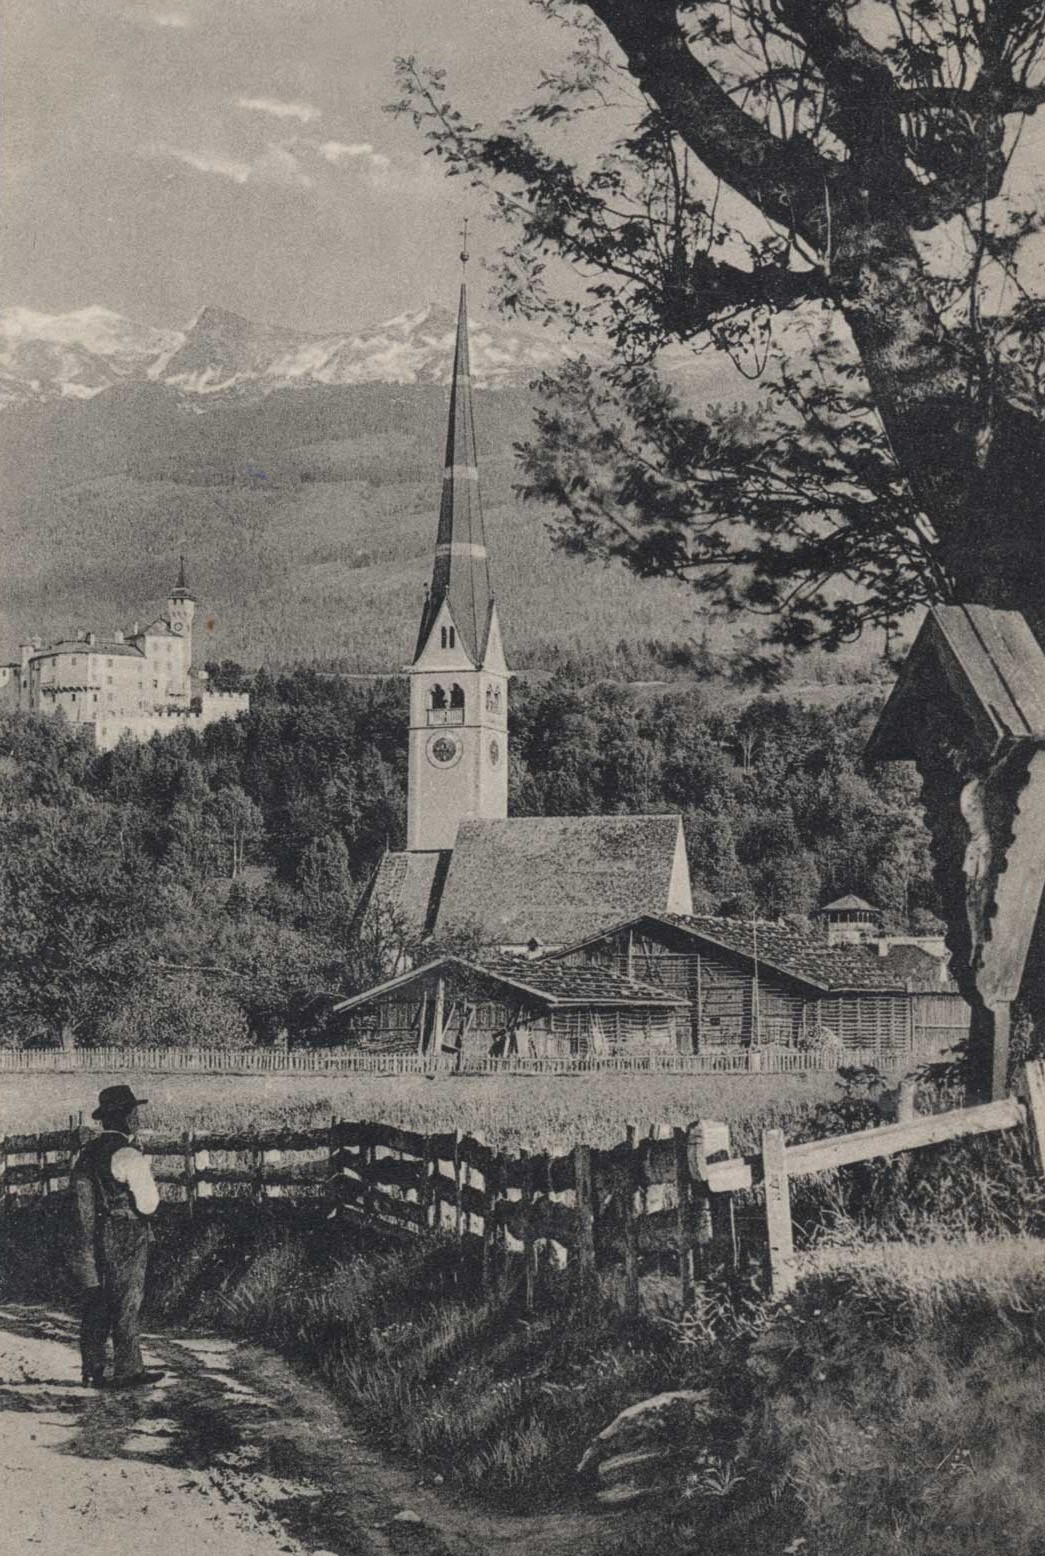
pixel 129 1166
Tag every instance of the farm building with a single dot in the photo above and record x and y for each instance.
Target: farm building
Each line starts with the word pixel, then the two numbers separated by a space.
pixel 750 984
pixel 535 1009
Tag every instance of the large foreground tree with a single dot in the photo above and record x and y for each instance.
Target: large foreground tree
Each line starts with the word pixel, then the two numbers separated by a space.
pixel 863 166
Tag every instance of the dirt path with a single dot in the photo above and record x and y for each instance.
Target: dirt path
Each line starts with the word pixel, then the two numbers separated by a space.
pixel 230 1455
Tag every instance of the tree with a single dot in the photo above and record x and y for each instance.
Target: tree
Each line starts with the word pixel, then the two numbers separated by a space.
pixel 851 163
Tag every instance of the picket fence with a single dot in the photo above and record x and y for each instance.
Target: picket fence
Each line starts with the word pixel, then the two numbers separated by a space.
pixel 767 1060
pixel 676 1190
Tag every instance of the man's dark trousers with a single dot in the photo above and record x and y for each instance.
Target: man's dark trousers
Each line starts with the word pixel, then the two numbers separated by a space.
pixel 122 1251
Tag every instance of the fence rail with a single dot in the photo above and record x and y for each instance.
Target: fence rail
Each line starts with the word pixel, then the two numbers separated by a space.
pixel 766 1060
pixel 670 1191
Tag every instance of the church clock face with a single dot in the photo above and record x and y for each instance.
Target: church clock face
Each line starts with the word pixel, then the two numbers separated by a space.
pixel 177 626
pixel 444 750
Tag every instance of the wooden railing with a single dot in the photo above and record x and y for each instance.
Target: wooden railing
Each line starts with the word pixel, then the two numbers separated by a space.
pixel 673 1190
pixel 767 1060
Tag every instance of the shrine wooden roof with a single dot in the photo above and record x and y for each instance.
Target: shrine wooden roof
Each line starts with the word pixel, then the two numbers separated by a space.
pixel 987 661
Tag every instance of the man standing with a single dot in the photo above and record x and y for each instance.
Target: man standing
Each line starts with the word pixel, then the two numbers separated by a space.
pixel 114 1193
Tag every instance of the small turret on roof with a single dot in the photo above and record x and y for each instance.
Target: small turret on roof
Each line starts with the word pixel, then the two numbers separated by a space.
pixel 461 575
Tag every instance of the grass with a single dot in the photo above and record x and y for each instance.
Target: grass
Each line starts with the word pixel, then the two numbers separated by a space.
pixel 538 1112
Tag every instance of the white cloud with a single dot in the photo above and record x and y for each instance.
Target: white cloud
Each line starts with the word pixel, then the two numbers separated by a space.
pixel 336 151
pixel 203 162
pixel 304 112
pixel 275 165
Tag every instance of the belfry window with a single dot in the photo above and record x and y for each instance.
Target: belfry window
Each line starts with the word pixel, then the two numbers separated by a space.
pixel 442 637
pixel 438 695
pixel 456 694
pixel 453 636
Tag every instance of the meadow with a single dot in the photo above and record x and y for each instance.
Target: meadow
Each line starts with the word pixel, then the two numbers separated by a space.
pixel 509 1112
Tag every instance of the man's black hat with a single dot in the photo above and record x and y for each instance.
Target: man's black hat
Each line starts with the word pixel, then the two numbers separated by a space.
pixel 117 1100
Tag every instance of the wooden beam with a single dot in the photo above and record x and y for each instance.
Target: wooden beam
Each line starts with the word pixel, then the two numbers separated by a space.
pixel 631 1240
pixel 585 1215
pixel 778 1213
pixel 932 1129
pixel 1034 1074
pixel 683 1216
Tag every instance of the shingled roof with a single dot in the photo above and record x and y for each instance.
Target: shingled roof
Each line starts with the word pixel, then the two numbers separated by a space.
pixel 991 662
pixel 407 886
pixel 793 953
pixel 552 879
pixel 550 985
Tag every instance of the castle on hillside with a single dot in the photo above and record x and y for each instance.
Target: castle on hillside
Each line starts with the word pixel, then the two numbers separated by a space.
pixel 522 883
pixel 139 682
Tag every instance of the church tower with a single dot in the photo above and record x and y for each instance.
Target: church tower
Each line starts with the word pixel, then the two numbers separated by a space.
pixel 458 679
pixel 181 608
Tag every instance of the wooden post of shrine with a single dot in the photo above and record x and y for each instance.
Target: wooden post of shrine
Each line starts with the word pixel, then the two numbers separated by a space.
pixel 968 709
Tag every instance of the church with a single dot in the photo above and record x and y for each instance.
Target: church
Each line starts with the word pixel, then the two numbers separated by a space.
pixel 520 884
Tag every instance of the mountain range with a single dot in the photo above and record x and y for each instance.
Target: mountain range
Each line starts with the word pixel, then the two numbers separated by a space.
pixel 81 354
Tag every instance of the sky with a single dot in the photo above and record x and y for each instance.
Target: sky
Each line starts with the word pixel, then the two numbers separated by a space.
pixel 163 155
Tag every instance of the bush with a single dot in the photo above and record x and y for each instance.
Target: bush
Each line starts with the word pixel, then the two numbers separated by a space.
pixel 176 1014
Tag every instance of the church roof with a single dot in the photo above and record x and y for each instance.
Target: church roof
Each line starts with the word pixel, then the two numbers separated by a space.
pixel 406 886
pixel 461 575
pixel 81 646
pixel 554 878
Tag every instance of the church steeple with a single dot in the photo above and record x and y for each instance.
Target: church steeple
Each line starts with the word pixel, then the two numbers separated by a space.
pixel 461 575
pixel 458 678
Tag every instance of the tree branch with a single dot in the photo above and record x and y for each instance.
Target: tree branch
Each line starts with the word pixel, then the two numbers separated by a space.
pixel 784 180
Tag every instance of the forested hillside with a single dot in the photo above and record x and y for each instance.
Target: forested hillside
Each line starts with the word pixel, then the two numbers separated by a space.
pixel 201 886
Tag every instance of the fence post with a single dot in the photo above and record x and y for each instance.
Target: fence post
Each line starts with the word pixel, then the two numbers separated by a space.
pixel 905 1100
pixel 683 1226
pixel 1034 1074
pixel 529 1246
pixel 3 1172
pixel 257 1167
pixel 457 1184
pixel 631 1240
pixel 489 1244
pixel 711 1139
pixel 188 1155
pixel 425 1197
pixel 781 1248
pixel 585 1215
pixel 332 1168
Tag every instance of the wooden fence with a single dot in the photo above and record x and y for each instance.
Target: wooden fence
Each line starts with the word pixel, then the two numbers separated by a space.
pixel 768 1059
pixel 671 1191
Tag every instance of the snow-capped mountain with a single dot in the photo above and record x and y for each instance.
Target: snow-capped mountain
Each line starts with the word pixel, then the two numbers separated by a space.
pixel 81 354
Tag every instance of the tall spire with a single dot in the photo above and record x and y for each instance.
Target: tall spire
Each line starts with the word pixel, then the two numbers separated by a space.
pixel 461 575
pixel 181 590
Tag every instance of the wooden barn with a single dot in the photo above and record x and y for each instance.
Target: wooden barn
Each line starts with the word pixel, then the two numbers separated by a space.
pixel 514 1007
pixel 750 984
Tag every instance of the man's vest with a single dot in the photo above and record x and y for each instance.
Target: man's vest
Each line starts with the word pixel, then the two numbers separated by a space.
pixel 111 1198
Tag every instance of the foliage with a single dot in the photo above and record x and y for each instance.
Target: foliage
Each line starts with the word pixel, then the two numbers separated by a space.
pixel 236 858
pixel 832 193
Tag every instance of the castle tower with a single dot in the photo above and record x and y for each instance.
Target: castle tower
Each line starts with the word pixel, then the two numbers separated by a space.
pixel 458 679
pixel 181 608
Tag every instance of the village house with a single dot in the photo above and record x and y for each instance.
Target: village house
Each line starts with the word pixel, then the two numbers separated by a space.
pixel 512 1008
pixel 751 984
pixel 139 682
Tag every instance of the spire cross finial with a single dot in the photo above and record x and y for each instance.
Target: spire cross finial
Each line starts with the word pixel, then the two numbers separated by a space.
pixel 464 242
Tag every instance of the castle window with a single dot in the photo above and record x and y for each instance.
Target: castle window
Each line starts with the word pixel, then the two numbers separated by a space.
pixel 438 697
pixel 456 694
pixel 108 664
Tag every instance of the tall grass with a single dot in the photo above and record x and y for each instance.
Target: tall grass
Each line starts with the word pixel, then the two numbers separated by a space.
pixel 536 1112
